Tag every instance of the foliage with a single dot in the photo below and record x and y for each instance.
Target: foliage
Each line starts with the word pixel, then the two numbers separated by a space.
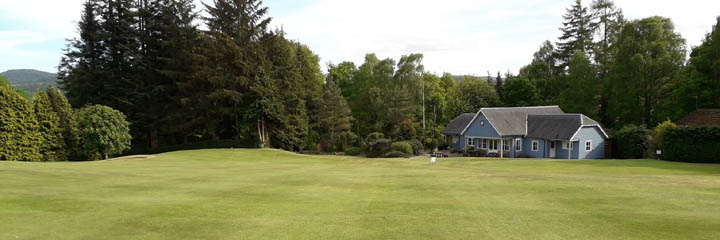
pixel 104 132
pixel 220 144
pixel 542 72
pixel 417 147
pixel 659 132
pixel 372 137
pixel 379 147
pixel 20 139
pixel 395 154
pixel 520 92
pixel 632 141
pixel 403 147
pixel 53 146
pixel 650 54
pixel 335 115
pixel 353 151
pixel 581 95
pixel 576 33
pixel 469 95
pixel 68 124
pixel 691 144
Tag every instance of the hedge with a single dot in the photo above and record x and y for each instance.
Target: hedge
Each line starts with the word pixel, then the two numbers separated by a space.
pixel 378 148
pixel 632 142
pixel 691 144
pixel 353 151
pixel 403 147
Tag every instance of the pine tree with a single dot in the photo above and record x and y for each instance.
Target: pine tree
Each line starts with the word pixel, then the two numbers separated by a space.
pixel 607 20
pixel 576 34
pixel 335 114
pixel 68 124
pixel 19 131
pixel 499 85
pixel 80 72
pixel 53 146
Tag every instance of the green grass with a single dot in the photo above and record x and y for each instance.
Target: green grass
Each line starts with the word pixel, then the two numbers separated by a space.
pixel 268 194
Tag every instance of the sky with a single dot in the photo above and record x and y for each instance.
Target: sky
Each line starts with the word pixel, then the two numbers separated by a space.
pixel 463 37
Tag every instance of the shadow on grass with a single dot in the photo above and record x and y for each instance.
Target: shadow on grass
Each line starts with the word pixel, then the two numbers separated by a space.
pixel 703 168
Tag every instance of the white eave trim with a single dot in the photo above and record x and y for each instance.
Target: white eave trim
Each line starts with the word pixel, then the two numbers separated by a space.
pixel 589 125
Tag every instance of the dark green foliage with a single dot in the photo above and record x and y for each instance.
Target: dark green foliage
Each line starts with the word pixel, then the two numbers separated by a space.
pixel 632 141
pixel 580 96
pixel 104 132
pixel 396 154
pixel 403 147
pixel 353 151
pixel 68 125
pixel 335 116
pixel 542 72
pixel 417 147
pixel 20 139
pixel 577 33
pixel 221 144
pixel 53 146
pixel 650 54
pixel 379 147
pixel 520 92
pixel 470 95
pixel 692 144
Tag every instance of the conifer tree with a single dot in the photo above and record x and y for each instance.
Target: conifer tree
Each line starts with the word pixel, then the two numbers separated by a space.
pixel 581 94
pixel 335 115
pixel 19 131
pixel 68 124
pixel 576 34
pixel 53 146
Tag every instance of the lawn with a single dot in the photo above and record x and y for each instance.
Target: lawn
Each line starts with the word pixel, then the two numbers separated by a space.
pixel 270 194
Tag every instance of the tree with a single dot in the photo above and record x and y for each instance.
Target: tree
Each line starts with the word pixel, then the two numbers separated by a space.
pixel 68 124
pixel 20 139
pixel 581 94
pixel 607 21
pixel 499 87
pixel 53 146
pixel 520 92
pixel 576 34
pixel 650 54
pixel 698 85
pixel 471 94
pixel 544 74
pixel 104 132
pixel 335 115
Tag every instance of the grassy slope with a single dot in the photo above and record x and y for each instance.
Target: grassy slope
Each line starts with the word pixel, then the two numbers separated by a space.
pixel 230 194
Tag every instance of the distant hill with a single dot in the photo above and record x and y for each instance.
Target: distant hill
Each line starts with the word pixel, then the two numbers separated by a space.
pixel 30 80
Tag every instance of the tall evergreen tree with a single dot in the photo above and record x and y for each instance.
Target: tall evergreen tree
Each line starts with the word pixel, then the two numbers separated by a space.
pixel 68 124
pixel 20 139
pixel 544 74
pixel 499 85
pixel 52 147
pixel 576 34
pixel 335 115
pixel 607 20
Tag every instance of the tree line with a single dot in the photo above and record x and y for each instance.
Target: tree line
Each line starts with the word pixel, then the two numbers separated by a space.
pixel 182 78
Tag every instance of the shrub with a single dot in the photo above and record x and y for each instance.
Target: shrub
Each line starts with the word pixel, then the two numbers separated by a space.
pixel 353 151
pixel 660 131
pixel 379 147
pixel 372 137
pixel 468 148
pixel 403 147
pixel 396 154
pixel 632 141
pixel 53 146
pixel 20 138
pixel 417 147
pixel 692 144
pixel 431 143
pixel 104 132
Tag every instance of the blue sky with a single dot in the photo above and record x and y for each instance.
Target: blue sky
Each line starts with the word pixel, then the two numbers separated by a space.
pixel 457 36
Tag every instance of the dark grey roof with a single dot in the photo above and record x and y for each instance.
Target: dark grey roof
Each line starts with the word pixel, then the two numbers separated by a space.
pixel 558 127
pixel 457 125
pixel 511 121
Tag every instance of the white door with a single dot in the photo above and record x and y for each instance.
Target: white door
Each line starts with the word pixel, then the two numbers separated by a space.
pixel 552 149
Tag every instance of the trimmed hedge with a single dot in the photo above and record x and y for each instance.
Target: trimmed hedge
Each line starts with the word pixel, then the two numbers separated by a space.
pixel 691 144
pixel 353 151
pixel 632 142
pixel 403 147
pixel 378 148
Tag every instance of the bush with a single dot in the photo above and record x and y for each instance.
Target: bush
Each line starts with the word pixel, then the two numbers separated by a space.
pixel 468 148
pixel 396 154
pixel 379 147
pixel 20 137
pixel 632 142
pixel 417 147
pixel 660 131
pixel 403 147
pixel 104 132
pixel 691 144
pixel 353 151
pixel 372 137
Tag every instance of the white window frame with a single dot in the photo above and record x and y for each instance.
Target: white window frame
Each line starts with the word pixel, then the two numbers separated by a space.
pixel 565 145
pixel 455 139
pixel 506 144
pixel 484 143
pixel 470 142
pixel 588 145
pixel 535 146
pixel 518 144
